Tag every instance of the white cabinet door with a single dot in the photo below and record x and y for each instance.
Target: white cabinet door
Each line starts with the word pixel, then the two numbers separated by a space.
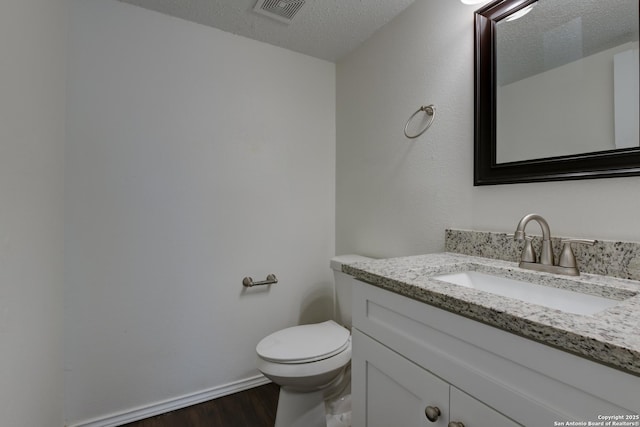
pixel 473 413
pixel 389 390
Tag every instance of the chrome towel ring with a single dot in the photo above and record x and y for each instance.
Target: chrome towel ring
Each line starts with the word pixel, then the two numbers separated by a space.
pixel 430 110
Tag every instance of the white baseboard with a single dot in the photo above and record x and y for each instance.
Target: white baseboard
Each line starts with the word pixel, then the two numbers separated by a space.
pixel 146 411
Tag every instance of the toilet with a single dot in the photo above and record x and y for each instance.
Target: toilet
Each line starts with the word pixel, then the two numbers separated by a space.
pixel 309 362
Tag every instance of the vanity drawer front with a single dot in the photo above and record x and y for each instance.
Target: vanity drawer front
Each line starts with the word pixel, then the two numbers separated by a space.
pixel 527 381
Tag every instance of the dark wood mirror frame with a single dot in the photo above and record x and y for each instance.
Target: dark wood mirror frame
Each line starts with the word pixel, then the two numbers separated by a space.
pixel 603 164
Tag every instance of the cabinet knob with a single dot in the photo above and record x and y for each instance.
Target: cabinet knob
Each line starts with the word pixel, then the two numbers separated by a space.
pixel 432 413
pixel 455 424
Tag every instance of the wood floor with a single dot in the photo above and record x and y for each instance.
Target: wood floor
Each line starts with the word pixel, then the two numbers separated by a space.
pixel 251 408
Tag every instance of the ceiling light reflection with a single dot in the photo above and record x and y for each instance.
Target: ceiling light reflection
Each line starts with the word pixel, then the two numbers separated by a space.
pixel 520 13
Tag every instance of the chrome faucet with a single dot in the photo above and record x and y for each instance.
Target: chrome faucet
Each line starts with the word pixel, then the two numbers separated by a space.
pixel 567 263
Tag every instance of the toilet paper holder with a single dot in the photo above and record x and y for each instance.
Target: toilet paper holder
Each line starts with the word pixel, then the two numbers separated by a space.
pixel 248 281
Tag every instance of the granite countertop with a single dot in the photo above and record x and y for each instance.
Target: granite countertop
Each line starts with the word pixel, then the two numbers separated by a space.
pixel 611 337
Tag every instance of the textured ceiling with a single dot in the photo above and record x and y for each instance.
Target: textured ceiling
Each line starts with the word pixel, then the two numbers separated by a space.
pixel 556 32
pixel 326 29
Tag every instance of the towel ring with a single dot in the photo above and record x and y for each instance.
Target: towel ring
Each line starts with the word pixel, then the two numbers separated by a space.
pixel 431 112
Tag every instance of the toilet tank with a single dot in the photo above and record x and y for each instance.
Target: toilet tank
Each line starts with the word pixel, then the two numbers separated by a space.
pixel 342 288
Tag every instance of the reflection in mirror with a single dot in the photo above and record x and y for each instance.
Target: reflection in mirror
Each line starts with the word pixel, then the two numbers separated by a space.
pixel 567 79
pixel 557 90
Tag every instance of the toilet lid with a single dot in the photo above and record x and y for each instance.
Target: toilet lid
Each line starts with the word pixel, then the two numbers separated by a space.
pixel 305 343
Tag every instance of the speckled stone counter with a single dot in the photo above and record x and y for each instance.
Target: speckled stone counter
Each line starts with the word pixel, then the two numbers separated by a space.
pixel 610 337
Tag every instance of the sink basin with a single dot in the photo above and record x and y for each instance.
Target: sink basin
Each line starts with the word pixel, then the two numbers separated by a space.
pixel 559 299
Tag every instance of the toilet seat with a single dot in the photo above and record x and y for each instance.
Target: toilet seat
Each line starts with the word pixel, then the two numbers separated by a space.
pixel 304 344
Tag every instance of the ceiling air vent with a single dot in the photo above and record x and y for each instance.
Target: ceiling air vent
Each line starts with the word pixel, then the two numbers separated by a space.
pixel 281 10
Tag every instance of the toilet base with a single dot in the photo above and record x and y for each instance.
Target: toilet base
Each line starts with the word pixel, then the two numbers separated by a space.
pixel 297 409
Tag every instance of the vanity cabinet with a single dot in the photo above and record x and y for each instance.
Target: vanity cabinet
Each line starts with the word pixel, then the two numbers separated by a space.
pixel 408 355
pixel 471 412
pixel 397 392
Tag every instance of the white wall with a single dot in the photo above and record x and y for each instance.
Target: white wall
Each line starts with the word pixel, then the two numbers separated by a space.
pixel 396 196
pixel 558 108
pixel 32 136
pixel 194 158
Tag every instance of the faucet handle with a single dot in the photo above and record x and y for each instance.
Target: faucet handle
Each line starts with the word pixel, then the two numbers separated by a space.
pixel 528 253
pixel 567 258
pixel 583 241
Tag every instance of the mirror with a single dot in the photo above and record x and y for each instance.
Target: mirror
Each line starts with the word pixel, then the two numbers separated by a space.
pixel 556 90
